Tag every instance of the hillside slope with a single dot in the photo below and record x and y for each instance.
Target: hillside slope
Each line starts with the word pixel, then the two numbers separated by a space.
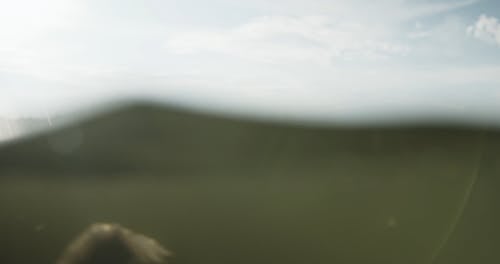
pixel 153 138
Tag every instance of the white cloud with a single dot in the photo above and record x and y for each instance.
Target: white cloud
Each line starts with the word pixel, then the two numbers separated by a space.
pixel 486 29
pixel 438 42
pixel 275 39
pixel 412 11
pixel 71 39
pixel 379 11
pixel 29 19
pixel 26 27
pixel 304 57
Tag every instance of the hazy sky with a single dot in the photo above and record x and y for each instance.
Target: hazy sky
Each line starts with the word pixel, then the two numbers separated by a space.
pixel 328 58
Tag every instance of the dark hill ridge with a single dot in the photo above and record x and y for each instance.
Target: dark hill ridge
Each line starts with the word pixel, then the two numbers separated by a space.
pixel 152 138
pixel 221 190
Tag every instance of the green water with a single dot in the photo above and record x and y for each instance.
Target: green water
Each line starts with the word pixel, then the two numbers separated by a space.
pixel 224 191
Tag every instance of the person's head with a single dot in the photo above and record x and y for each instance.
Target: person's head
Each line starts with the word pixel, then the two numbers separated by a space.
pixel 104 243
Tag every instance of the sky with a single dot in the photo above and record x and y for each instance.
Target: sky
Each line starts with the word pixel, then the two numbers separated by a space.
pixel 326 59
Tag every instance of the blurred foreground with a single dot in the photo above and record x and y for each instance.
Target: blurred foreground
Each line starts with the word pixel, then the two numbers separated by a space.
pixel 221 190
